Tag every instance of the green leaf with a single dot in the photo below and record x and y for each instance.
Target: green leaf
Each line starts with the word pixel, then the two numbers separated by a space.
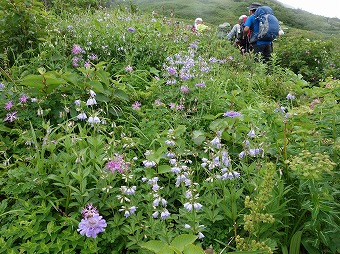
pixel 153 245
pixel 154 71
pixel 180 130
pixel 182 240
pixel 218 125
pixel 193 249
pixel 121 95
pixel 166 250
pixel 71 77
pixel 295 243
pixel 50 227
pixel 164 169
pixel 198 137
pixel 33 81
pixel 103 76
pixel 96 86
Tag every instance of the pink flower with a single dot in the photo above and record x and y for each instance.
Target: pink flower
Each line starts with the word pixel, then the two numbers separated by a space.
pixel 9 105
pixel 23 98
pixel 117 164
pixel 77 49
pixel 129 68
pixel 10 117
pixel 136 105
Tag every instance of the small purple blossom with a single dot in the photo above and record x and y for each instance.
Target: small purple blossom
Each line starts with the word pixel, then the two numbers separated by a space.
pixel 172 71
pixel 93 57
pixel 23 99
pixel 87 64
pixel 136 105
pixel 89 210
pixel 200 85
pixel 232 114
pixel 2 86
pixel 10 117
pixel 131 30
pixel 129 68
pixel 158 102
pixel 9 105
pixel 117 164
pixel 184 89
pixel 76 50
pixel 290 96
pixel 280 109
pixel 75 61
pixel 193 46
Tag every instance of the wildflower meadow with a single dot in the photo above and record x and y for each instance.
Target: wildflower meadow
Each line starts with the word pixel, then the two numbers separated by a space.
pixel 126 132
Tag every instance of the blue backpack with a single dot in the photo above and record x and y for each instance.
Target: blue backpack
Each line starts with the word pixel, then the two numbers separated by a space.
pixel 268 25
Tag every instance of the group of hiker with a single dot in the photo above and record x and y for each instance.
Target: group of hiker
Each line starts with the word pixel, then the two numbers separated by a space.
pixel 252 33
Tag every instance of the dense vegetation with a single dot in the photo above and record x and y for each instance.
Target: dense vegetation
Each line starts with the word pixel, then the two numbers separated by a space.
pixel 124 132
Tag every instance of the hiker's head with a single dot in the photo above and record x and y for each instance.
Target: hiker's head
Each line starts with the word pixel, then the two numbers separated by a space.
pixel 241 19
pixel 198 21
pixel 252 8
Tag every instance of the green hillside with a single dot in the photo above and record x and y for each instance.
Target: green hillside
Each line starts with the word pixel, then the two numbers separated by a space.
pixel 218 11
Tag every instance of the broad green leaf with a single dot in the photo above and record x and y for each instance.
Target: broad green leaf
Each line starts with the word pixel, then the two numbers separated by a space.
pixel 180 130
pixel 70 77
pixel 153 245
pixel 198 137
pixel 103 76
pixel 219 124
pixel 33 81
pixel 121 95
pixel 193 249
pixel 182 240
pixel 96 86
pixel 154 71
pixel 164 169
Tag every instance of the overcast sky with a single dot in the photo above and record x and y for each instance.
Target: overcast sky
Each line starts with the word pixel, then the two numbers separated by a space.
pixel 327 8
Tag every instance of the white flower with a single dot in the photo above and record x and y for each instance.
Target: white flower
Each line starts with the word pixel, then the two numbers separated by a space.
pixel 91 101
pixel 93 120
pixel 92 93
pixel 81 116
pixel 200 235
pixel 188 206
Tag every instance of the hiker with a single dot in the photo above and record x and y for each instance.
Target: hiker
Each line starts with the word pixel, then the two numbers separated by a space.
pixel 237 35
pixel 260 46
pixel 199 26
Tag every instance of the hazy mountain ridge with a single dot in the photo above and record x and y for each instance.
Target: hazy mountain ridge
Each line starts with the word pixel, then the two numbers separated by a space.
pixel 219 11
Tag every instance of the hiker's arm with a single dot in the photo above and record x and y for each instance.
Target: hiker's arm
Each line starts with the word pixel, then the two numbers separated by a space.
pixel 245 30
pixel 232 33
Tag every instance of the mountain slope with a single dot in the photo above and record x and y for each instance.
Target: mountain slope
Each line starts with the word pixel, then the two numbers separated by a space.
pixel 219 11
